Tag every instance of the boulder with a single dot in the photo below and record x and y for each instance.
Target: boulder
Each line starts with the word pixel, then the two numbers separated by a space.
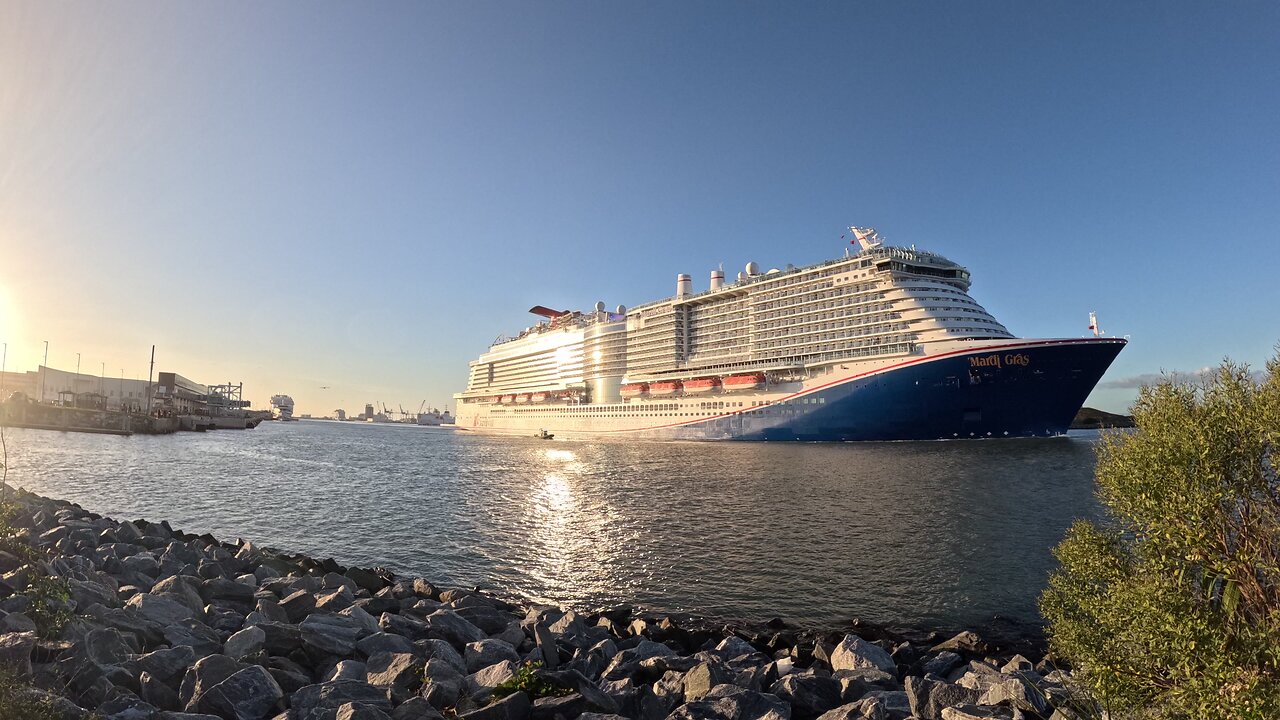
pixel 220 588
pixel 441 650
pixel 362 621
pixel 942 663
pixel 452 628
pixel 201 638
pixel 928 697
pixel 247 642
pixel 400 625
pixel 298 605
pixel 365 579
pixel 854 653
pixel 155 692
pixel 416 709
pixel 204 674
pixel 966 642
pixel 386 643
pixel 865 709
pixel 249 694
pixel 159 609
pixel 702 677
pixel 167 664
pixel 329 634
pixel 348 670
pixel 810 695
pixel 482 682
pixel 333 695
pixel 181 588
pixel 512 707
pixel 400 673
pixel 282 638
pixel 15 652
pixel 729 702
pixel 856 683
pixel 1015 693
pixel 86 593
pixel 975 712
pixel 357 711
pixel 483 653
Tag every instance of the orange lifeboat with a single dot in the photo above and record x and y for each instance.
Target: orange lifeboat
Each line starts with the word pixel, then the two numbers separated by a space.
pixel 522 398
pixel 749 381
pixel 508 399
pixel 665 388
pixel 631 390
pixel 539 397
pixel 702 385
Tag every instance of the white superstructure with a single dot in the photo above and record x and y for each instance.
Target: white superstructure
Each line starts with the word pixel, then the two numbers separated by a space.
pixel 765 336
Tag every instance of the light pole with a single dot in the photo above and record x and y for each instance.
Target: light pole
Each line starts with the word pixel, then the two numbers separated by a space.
pixel 101 378
pixel 76 384
pixel 46 369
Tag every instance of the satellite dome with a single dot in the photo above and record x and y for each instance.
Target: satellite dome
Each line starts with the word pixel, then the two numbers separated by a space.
pixel 752 269
pixel 600 306
pixel 622 309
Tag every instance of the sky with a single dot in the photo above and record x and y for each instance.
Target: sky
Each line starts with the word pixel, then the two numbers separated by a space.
pixel 347 202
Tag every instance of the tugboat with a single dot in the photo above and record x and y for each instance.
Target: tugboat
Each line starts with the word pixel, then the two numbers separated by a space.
pixel 544 435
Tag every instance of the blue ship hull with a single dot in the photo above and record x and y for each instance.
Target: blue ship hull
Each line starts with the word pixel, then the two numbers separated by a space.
pixel 1018 391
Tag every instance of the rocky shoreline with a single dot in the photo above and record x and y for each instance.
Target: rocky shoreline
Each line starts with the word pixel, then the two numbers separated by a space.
pixel 166 625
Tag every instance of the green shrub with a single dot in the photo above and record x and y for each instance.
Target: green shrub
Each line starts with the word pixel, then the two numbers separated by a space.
pixel 1172 608
pixel 528 681
pixel 49 595
pixel 17 704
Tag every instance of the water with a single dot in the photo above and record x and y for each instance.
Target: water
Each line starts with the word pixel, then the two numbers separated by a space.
pixel 927 534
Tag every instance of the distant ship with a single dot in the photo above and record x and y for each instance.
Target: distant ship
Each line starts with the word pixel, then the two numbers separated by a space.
pixel 882 344
pixel 283 405
pixel 435 417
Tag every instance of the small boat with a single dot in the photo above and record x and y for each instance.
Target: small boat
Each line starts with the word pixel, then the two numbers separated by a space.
pixel 522 398
pixel 544 435
pixel 748 381
pixel 631 390
pixel 702 385
pixel 539 397
pixel 665 388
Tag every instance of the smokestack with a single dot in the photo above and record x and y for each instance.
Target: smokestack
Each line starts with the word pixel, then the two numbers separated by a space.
pixel 684 285
pixel 717 279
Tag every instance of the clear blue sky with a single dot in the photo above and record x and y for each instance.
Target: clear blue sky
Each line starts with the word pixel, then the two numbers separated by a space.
pixel 364 195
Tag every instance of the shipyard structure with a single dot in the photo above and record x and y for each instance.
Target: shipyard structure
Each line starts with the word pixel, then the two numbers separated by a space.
pixel 882 344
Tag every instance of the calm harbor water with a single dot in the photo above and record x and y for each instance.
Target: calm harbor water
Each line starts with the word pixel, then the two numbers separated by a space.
pixel 930 534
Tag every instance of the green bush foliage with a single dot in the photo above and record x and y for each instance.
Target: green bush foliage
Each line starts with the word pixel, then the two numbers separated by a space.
pixel 49 595
pixel 528 681
pixel 17 704
pixel 1172 608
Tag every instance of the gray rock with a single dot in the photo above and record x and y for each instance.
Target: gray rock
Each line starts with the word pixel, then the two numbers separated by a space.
pixel 558 707
pixel 512 707
pixel 627 662
pixel 853 653
pixel 399 625
pixel 483 653
pixel 365 579
pixel 204 674
pixel 159 609
pixel 965 642
pixel 702 677
pixel 1015 693
pixel 200 637
pixel 974 712
pixel 298 605
pixel 595 697
pixel 333 695
pixel 545 641
pixel 400 673
pixel 167 664
pixel 734 647
pixel 355 711
pixel 186 716
pixel 895 703
pixel 810 695
pixel 157 693
pixel 482 682
pixel 249 694
pixel 15 652
pixel 282 638
pixel 247 642
pixel 942 663
pixel 416 709
pixel 386 642
pixel 183 589
pixel 856 683
pixel 452 628
pixel 865 709
pixel 362 621
pixel 86 593
pixel 270 609
pixel 928 697
pixel 439 649
pixel 329 634
pixel 220 588
pixel 347 670
pixel 729 702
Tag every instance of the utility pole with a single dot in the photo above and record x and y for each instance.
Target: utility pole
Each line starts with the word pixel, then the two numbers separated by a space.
pixel 149 374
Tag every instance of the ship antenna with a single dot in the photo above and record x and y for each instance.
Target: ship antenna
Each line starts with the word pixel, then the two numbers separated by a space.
pixel 1093 324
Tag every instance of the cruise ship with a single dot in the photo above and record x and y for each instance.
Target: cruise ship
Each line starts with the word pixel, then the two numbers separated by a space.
pixel 884 343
